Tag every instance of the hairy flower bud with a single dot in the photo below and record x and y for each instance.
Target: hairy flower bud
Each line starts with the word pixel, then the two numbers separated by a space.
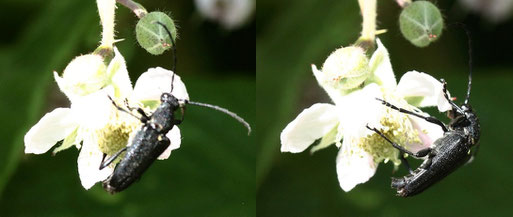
pixel 346 68
pixel 83 75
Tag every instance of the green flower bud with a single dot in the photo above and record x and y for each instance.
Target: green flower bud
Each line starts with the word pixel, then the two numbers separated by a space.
pixel 152 36
pixel 421 23
pixel 346 68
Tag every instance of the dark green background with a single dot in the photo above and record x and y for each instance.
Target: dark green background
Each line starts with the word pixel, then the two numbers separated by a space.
pixel 291 35
pixel 212 174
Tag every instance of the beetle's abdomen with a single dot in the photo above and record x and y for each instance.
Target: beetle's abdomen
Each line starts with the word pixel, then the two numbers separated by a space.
pixel 451 152
pixel 146 147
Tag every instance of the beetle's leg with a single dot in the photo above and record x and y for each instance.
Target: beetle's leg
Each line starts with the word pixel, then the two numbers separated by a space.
pixel 426 118
pixel 454 106
pixel 143 119
pixel 162 143
pixel 421 153
pixel 473 154
pixel 109 160
pixel 179 121
pixel 427 163
pixel 128 105
pixel 405 162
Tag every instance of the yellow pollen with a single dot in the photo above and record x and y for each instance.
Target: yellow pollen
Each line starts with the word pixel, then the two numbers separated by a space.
pixel 114 135
pixel 398 128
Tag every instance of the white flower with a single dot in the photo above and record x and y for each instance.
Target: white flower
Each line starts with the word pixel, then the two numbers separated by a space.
pixel 344 123
pixel 231 14
pixel 92 120
pixel 495 11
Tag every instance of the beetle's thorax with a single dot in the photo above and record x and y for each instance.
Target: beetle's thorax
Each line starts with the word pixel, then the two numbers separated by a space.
pixel 160 120
pixel 467 123
pixel 474 128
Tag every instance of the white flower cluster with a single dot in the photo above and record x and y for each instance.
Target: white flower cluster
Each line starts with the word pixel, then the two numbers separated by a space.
pixel 354 84
pixel 92 123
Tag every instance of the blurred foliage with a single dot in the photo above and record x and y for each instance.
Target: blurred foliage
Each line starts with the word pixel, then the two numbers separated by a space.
pixel 212 174
pixel 291 35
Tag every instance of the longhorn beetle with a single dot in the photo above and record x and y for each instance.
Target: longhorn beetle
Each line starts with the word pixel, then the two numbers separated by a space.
pixel 151 141
pixel 447 153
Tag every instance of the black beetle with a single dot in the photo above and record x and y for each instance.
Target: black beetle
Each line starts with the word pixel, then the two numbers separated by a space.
pixel 150 141
pixel 447 153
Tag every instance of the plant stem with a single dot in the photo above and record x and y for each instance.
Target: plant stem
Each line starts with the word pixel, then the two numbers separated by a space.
pixel 106 9
pixel 368 10
pixel 137 8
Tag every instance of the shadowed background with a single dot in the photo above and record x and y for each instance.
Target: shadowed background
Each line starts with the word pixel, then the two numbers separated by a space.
pixel 291 35
pixel 213 172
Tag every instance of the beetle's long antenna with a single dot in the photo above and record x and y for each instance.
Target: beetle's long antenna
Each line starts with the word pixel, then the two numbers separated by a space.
pixel 469 61
pixel 469 64
pixel 221 109
pixel 174 53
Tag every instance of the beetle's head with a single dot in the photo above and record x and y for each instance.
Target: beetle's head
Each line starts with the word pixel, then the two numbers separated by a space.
pixel 464 111
pixel 170 99
pixel 461 117
pixel 466 108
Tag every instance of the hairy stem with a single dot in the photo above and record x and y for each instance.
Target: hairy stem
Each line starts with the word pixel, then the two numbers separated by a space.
pixel 368 10
pixel 106 9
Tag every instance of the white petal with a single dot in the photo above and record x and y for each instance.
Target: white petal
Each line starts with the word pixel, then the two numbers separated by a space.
pixel 175 138
pixel 89 161
pixel 327 140
pixel 156 81
pixel 428 133
pixel 428 89
pixel 382 68
pixel 61 83
pixel 318 75
pixel 312 124
pixel 94 110
pixel 118 73
pixel 359 109
pixel 334 94
pixel 354 166
pixel 53 127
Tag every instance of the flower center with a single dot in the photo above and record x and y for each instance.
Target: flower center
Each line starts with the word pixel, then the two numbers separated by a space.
pixel 398 128
pixel 116 133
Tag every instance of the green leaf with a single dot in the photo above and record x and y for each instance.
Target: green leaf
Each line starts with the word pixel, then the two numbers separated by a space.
pixel 421 23
pixel 152 36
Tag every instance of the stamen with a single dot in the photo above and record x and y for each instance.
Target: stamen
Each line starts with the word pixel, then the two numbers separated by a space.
pixel 398 128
